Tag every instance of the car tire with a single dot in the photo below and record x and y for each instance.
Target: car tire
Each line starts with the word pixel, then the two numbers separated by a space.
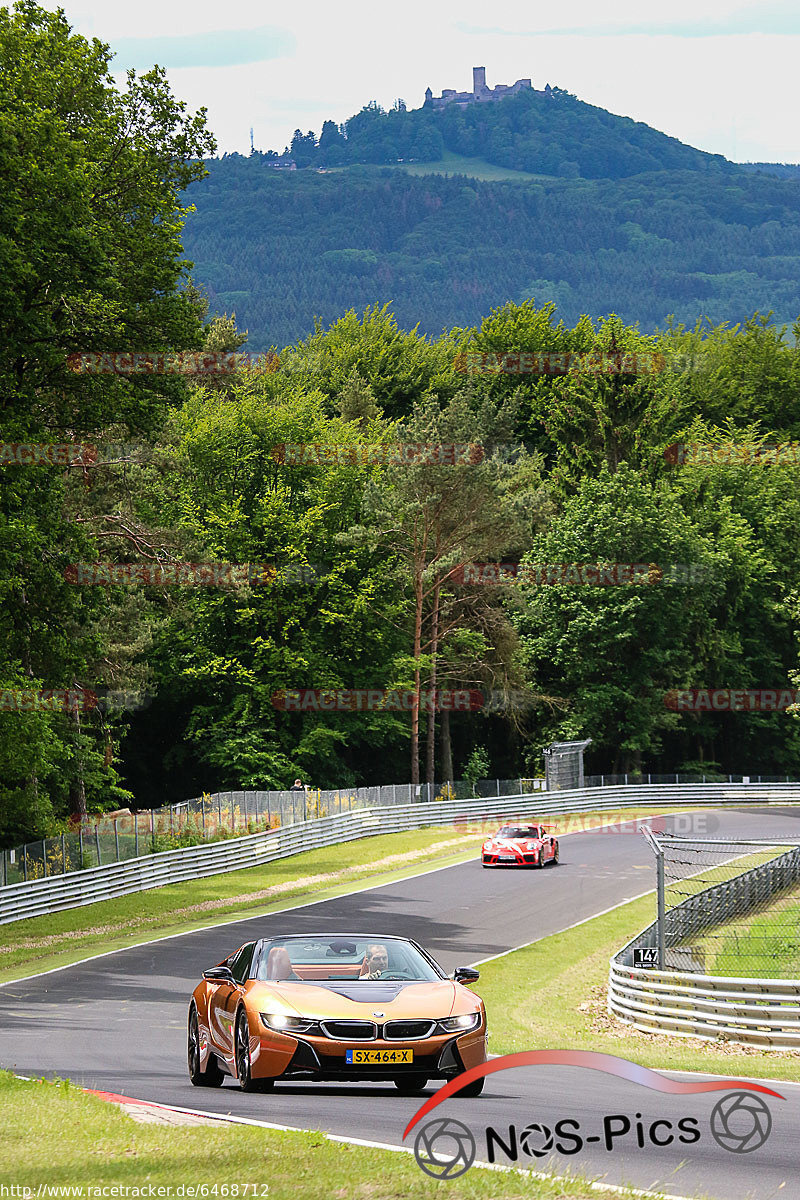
pixel 244 1074
pixel 411 1085
pixel 473 1089
pixel 539 861
pixel 555 855
pixel 213 1075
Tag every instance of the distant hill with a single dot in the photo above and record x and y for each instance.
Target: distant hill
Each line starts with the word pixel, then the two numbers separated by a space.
pixel 782 170
pixel 554 134
pixel 448 212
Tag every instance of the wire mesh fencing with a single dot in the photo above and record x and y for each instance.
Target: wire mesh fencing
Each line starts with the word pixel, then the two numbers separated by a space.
pixel 116 837
pixel 728 907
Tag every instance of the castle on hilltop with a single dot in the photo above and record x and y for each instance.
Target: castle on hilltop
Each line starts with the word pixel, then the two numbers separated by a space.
pixel 480 92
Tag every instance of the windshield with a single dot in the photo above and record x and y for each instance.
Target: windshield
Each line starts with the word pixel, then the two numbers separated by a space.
pixel 518 831
pixel 325 959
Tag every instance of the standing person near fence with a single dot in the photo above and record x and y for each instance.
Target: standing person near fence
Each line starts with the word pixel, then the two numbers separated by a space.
pixel 298 790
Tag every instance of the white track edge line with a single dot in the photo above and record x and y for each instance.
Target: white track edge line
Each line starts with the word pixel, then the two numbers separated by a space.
pixel 353 1141
pixel 277 911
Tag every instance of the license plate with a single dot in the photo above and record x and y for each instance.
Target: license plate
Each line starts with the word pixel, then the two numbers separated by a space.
pixel 379 1056
pixel 507 858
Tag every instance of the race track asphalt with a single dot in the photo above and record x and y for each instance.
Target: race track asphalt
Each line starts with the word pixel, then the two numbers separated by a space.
pixel 118 1023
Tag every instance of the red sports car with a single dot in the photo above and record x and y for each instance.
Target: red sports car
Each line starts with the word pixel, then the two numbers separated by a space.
pixel 520 846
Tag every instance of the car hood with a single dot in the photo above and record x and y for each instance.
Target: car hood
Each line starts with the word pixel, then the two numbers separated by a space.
pixel 340 999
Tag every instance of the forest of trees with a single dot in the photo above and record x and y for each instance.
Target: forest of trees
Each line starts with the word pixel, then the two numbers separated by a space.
pixel 281 248
pixel 367 588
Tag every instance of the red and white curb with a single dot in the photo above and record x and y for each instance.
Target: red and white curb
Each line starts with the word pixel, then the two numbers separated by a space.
pixel 148 1112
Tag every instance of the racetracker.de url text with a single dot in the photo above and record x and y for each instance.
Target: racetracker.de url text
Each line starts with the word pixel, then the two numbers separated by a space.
pixel 111 1191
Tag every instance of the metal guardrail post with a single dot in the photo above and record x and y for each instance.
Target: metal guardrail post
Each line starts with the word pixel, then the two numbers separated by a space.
pixel 63 854
pixel 116 840
pixel 661 906
pixel 25 862
pixel 44 857
pixel 660 895
pixel 136 835
pixel 203 815
pixel 97 843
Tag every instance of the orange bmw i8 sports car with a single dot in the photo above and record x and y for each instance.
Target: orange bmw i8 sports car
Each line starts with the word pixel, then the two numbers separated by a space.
pixel 322 1007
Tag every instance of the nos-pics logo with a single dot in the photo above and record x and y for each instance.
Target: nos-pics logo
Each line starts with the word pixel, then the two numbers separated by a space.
pixel 445 1148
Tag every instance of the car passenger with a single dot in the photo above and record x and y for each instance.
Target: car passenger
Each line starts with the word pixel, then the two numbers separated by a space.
pixel 279 965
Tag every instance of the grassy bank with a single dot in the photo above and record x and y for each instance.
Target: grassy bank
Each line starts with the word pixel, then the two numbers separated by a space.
pixel 41 943
pixel 52 1134
pixel 552 995
pixel 765 945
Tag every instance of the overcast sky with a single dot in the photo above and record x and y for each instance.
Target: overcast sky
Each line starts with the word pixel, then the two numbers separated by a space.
pixel 721 76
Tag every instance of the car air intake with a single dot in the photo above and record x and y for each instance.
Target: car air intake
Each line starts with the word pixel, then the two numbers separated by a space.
pixel 350 1031
pixel 404 1031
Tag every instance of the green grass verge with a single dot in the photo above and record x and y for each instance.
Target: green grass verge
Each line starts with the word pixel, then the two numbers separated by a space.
pixel 765 945
pixel 42 943
pixel 552 995
pixel 461 164
pixel 54 1134
pixel 705 877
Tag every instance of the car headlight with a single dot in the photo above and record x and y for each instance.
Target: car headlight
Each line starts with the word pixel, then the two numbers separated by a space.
pixel 460 1024
pixel 285 1023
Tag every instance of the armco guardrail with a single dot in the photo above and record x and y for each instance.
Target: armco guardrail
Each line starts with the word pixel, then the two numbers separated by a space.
pixel 755 1012
pixel 125 835
pixel 56 893
pixel 758 1012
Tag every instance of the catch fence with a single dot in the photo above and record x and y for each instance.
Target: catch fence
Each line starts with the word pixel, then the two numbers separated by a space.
pixel 122 836
pixel 722 958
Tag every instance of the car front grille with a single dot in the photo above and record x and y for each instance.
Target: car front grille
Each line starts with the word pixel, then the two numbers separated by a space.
pixel 350 1031
pixel 406 1031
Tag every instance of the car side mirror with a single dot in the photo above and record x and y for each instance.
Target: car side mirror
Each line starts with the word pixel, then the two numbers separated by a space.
pixel 219 975
pixel 465 975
